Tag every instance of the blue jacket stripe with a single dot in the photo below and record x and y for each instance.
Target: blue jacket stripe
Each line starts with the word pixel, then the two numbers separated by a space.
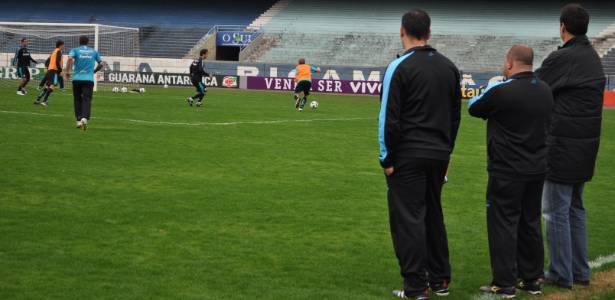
pixel 478 97
pixel 386 85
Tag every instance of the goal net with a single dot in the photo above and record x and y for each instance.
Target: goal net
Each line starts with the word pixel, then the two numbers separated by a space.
pixel 118 46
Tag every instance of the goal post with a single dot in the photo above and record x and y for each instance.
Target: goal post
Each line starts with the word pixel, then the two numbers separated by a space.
pixel 119 45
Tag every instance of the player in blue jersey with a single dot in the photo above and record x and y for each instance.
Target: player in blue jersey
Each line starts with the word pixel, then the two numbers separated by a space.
pixel 86 62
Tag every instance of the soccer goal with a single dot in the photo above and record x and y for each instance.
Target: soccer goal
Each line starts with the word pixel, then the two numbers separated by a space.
pixel 118 46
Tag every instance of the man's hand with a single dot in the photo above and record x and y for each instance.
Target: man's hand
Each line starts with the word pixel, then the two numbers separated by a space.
pixel 389 171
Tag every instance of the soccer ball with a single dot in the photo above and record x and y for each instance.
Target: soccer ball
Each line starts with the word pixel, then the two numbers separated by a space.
pixel 314 105
pixel 124 89
pixel 142 90
pixel 166 86
pixel 116 89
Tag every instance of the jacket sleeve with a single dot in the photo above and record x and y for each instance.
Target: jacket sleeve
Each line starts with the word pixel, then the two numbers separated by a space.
pixel 389 128
pixel 16 58
pixel 481 105
pixel 456 110
pixel 554 72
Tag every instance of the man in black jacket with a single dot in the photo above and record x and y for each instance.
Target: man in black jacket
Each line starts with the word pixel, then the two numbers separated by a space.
pixel 418 122
pixel 575 75
pixel 518 112
pixel 23 60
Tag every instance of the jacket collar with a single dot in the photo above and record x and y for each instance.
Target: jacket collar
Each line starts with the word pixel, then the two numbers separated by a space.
pixel 528 74
pixel 579 39
pixel 420 48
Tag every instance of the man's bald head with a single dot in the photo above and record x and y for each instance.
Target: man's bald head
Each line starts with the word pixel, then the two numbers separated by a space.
pixel 521 54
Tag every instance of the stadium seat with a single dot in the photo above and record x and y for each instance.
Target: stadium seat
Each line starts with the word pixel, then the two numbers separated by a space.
pixel 474 36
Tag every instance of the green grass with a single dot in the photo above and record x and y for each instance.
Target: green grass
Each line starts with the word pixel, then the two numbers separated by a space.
pixel 290 210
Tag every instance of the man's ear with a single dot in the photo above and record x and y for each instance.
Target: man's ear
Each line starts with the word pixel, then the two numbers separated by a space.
pixel 402 31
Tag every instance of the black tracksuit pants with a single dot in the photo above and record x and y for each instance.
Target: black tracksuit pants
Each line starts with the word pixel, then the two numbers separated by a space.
pixel 82 95
pixel 514 229
pixel 417 222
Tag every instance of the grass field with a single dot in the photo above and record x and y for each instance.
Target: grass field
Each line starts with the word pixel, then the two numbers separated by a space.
pixel 242 199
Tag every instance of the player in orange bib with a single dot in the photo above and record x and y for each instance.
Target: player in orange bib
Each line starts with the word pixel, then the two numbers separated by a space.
pixel 53 74
pixel 303 83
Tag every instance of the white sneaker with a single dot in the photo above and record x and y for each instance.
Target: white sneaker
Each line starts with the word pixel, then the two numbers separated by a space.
pixel 44 103
pixel 190 101
pixel 79 124
pixel 84 124
pixel 21 93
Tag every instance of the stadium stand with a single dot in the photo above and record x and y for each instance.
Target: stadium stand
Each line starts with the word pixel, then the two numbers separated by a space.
pixel 605 46
pixel 609 62
pixel 472 34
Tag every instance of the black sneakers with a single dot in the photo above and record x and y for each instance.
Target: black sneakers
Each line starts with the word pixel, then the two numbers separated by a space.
pixel 504 292
pixel 558 284
pixel 581 282
pixel 439 288
pixel 532 287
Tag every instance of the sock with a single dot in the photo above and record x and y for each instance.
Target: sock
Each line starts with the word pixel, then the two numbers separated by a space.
pixel 49 91
pixel 41 94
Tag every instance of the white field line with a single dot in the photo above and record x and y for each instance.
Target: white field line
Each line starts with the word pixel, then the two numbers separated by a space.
pixel 231 123
pixel 594 264
pixel 601 261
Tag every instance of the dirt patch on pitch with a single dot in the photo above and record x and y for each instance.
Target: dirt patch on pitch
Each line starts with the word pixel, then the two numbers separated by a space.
pixel 602 283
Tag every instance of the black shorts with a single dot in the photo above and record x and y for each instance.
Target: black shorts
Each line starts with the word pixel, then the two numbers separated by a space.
pixel 83 90
pixel 303 86
pixel 199 85
pixel 23 73
pixel 52 77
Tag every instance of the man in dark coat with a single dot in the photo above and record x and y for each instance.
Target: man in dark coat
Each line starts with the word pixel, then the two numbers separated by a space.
pixel 574 73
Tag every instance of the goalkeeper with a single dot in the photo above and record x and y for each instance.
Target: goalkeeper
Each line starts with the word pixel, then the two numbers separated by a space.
pixel 22 60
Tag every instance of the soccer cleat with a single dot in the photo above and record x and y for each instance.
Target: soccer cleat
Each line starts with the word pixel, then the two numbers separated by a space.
pixel 199 103
pixel 44 103
pixel 21 93
pixel 503 292
pixel 84 124
pixel 532 287
pixel 190 101
pixel 402 294
pixel 78 124
pixel 440 288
